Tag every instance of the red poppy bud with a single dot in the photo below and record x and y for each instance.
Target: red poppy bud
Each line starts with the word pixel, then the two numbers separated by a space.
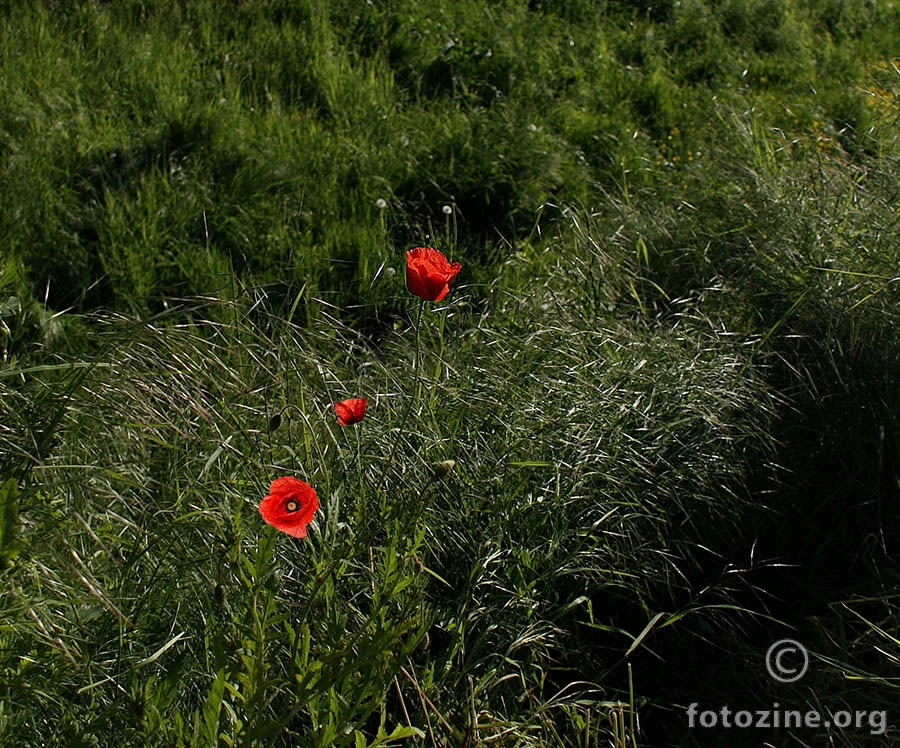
pixel 289 506
pixel 428 273
pixel 350 411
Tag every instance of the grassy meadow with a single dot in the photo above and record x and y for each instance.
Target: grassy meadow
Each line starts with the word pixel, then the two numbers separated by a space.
pixel 667 372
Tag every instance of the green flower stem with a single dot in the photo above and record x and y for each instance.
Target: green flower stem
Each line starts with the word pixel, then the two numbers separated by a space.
pixel 417 386
pixel 417 364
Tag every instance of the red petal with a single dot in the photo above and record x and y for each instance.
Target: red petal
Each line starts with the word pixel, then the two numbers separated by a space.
pixel 273 506
pixel 350 411
pixel 428 273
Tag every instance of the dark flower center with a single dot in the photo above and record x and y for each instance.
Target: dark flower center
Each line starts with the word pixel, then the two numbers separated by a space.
pixel 291 506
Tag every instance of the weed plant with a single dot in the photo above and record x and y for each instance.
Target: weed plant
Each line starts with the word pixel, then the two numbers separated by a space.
pixel 468 608
pixel 666 374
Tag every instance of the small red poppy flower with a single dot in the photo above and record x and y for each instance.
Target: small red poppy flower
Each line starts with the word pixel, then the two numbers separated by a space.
pixel 289 506
pixel 428 273
pixel 350 411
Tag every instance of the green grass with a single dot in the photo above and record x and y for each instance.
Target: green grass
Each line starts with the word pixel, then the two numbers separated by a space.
pixel 667 372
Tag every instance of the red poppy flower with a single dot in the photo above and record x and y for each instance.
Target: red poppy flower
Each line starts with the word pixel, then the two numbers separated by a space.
pixel 350 411
pixel 289 506
pixel 428 273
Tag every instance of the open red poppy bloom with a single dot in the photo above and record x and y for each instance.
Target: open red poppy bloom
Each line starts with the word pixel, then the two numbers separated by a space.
pixel 290 506
pixel 350 411
pixel 428 273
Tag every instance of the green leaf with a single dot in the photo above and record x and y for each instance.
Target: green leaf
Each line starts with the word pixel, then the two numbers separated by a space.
pixel 10 543
pixel 212 708
pixel 383 740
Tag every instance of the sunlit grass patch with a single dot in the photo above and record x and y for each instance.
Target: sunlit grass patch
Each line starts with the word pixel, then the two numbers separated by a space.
pixel 648 425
